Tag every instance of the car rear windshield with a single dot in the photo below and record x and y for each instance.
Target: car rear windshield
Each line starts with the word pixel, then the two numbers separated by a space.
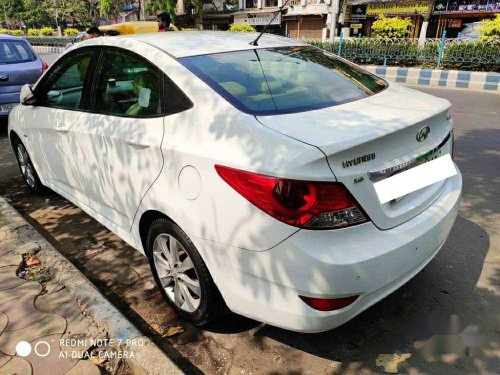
pixel 283 80
pixel 15 51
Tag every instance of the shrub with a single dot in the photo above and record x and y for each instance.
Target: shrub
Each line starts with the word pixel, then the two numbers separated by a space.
pixel 393 27
pixel 475 56
pixel 4 31
pixel 490 29
pixel 33 32
pixel 241 27
pixel 16 32
pixel 71 32
pixel 46 31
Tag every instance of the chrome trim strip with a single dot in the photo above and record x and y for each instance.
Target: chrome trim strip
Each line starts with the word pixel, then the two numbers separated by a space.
pixel 389 169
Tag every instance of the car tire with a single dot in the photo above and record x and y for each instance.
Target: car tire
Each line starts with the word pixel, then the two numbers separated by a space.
pixel 191 291
pixel 27 168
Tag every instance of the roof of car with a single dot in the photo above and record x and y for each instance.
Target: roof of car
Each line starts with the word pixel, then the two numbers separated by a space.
pixel 192 43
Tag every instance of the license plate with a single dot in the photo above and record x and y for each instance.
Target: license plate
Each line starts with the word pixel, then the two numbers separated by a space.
pixel 7 107
pixel 414 179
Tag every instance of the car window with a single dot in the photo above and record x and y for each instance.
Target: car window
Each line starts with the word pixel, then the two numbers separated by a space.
pixel 127 86
pixel 63 86
pixel 15 52
pixel 283 80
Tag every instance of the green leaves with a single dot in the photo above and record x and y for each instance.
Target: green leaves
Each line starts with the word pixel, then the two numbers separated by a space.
pixel 241 27
pixel 490 29
pixel 393 27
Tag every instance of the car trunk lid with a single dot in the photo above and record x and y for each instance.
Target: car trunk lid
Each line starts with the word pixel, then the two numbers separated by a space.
pixel 362 140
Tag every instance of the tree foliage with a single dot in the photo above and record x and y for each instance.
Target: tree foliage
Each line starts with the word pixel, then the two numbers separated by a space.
pixel 158 6
pixel 490 29
pixel 393 27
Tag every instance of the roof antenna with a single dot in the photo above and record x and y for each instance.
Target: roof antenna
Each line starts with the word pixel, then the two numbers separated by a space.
pixel 256 41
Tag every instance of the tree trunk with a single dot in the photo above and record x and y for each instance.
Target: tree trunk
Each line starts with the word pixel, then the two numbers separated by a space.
pixel 423 29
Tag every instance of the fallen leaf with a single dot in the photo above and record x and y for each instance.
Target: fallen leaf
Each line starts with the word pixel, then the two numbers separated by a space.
pixel 390 361
pixel 172 331
pixel 32 261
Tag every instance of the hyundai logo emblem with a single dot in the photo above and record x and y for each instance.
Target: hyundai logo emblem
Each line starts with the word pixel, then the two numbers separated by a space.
pixel 423 133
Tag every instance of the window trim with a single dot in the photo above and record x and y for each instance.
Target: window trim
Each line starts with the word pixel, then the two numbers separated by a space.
pixel 91 81
pixel 163 86
pixel 85 90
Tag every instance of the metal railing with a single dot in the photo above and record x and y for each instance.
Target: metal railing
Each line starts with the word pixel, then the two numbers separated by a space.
pixel 433 53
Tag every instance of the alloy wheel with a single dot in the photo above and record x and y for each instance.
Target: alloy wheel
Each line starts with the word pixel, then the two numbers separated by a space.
pixel 27 168
pixel 176 272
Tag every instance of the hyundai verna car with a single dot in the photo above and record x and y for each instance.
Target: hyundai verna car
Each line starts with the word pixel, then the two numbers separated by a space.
pixel 246 174
pixel 19 65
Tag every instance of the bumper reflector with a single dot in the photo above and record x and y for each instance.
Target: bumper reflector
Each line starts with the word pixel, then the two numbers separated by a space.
pixel 323 304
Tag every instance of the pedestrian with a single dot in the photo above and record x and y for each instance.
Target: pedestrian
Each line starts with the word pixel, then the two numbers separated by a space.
pixel 92 32
pixel 164 22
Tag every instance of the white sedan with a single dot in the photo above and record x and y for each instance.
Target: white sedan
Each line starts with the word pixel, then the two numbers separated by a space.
pixel 276 181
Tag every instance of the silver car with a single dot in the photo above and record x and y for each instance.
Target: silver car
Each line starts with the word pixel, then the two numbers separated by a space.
pixel 19 65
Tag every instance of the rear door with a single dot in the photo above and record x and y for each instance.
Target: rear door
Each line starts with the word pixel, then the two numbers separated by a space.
pixel 18 65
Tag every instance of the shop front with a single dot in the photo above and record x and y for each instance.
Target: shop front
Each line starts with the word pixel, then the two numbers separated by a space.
pixel 361 14
pixel 460 17
pixel 259 19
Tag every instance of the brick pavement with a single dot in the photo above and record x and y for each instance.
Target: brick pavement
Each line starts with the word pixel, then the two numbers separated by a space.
pixel 70 327
pixel 38 313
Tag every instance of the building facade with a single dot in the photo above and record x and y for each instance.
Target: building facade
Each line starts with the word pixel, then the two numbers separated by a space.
pixel 454 16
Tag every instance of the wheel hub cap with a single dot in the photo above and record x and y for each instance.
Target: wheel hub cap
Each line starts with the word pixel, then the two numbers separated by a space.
pixel 176 272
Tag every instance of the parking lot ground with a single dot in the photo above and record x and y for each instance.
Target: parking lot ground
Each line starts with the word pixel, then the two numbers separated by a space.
pixel 444 321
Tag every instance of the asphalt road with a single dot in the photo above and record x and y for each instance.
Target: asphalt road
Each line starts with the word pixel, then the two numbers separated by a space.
pixel 49 58
pixel 457 293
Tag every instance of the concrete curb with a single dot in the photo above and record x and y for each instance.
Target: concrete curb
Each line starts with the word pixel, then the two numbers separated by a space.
pixel 149 359
pixel 449 79
pixel 48 49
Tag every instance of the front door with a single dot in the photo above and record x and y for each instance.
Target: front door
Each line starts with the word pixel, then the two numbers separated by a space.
pixel 60 98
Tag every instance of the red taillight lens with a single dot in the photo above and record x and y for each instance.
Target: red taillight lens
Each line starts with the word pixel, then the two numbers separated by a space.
pixel 44 66
pixel 323 304
pixel 303 204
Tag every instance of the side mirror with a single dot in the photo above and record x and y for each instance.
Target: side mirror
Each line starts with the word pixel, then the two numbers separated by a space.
pixel 27 95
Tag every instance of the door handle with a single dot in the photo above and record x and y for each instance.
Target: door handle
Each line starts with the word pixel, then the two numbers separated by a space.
pixel 61 129
pixel 137 144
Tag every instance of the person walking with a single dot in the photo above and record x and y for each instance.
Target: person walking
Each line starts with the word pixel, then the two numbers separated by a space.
pixel 164 22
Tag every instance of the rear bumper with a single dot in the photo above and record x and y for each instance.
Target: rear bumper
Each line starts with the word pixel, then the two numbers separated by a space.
pixel 362 260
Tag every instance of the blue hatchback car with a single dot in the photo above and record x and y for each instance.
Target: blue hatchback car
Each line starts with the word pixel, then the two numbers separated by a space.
pixel 19 65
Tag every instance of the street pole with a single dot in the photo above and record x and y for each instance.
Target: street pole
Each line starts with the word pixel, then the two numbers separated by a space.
pixel 334 11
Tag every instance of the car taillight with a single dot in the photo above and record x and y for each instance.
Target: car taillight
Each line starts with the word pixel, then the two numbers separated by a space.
pixel 303 204
pixel 330 304
pixel 44 66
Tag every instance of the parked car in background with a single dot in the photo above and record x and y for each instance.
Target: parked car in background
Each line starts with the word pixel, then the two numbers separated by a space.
pixel 471 31
pixel 77 39
pixel 19 65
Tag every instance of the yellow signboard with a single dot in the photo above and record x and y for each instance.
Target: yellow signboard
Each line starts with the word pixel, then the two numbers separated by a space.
pixel 413 7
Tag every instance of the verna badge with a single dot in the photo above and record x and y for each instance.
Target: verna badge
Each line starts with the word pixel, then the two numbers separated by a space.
pixel 423 133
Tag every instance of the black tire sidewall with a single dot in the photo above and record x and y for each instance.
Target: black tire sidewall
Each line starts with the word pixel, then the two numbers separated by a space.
pixel 202 314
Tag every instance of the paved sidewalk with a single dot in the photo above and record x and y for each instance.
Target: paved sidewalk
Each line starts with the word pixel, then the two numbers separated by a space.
pixel 64 324
pixel 36 313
